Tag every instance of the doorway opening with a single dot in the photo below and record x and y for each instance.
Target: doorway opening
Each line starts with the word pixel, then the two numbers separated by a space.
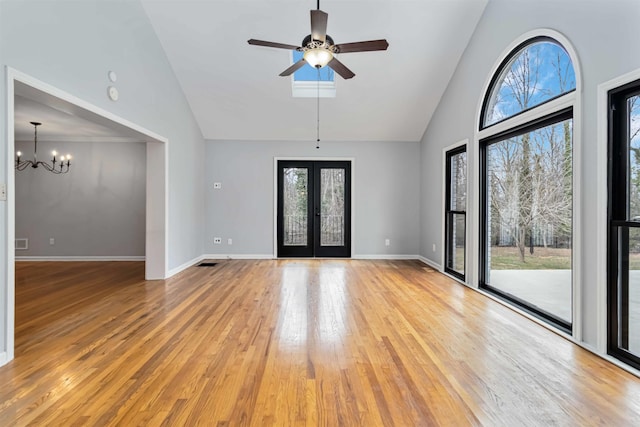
pixel 314 208
pixel 156 251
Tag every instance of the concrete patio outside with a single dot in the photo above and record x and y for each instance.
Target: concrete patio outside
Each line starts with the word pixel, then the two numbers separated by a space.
pixel 550 290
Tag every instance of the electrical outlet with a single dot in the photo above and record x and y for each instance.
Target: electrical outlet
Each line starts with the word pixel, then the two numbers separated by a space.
pixel 217 240
pixel 52 241
pixel 3 191
pixel 217 185
pixel 229 241
pixel 387 242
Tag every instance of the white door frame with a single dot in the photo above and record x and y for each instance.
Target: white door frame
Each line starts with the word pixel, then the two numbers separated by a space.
pixel 156 252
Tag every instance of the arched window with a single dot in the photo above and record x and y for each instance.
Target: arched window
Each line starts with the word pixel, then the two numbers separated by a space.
pixel 537 71
pixel 526 158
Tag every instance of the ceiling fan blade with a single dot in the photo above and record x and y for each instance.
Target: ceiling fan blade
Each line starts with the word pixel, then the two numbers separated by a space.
pixel 319 25
pixel 293 68
pixel 381 44
pixel 272 44
pixel 339 68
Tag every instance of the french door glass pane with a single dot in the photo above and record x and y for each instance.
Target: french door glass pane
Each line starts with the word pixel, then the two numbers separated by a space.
pixel 295 189
pixel 529 215
pixel 332 194
pixel 456 242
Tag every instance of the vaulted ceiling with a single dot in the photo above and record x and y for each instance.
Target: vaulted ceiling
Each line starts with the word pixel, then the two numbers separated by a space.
pixel 234 89
pixel 235 92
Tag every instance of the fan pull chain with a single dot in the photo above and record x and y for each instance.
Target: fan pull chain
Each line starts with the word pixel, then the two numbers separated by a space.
pixel 318 111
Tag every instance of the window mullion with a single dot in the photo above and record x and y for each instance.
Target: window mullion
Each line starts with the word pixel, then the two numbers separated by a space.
pixel 561 103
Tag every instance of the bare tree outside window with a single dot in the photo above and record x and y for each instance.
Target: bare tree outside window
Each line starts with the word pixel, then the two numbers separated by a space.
pixel 528 184
pixel 332 207
pixel 296 183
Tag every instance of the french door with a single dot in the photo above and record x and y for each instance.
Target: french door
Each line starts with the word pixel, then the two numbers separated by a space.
pixel 314 208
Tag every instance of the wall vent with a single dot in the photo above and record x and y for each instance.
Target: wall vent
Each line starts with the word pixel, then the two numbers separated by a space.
pixel 22 244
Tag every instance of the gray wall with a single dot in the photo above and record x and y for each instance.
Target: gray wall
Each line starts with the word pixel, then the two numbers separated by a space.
pixel 72 45
pixel 97 209
pixel 384 202
pixel 604 34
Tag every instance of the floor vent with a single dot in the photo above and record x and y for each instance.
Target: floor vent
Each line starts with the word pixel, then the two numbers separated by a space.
pixel 207 264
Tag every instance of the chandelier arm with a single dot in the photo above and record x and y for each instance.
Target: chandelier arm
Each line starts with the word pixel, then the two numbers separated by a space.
pixel 22 165
pixel 47 166
pixel 52 169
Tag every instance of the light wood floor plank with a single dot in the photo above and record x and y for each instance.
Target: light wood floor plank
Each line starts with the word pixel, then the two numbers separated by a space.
pixel 291 342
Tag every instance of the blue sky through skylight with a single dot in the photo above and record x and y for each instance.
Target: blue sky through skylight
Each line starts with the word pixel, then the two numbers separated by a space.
pixel 309 74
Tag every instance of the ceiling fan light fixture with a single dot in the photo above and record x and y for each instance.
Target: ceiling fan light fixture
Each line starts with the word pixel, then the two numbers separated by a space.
pixel 319 49
pixel 317 57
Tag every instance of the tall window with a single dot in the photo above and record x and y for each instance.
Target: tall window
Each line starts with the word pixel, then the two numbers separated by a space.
pixel 624 224
pixel 456 211
pixel 526 181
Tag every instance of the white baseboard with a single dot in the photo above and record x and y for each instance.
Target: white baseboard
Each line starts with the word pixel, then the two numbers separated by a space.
pixel 271 256
pixel 606 357
pixel 238 256
pixel 184 266
pixel 430 263
pixel 384 256
pixel 4 359
pixel 80 258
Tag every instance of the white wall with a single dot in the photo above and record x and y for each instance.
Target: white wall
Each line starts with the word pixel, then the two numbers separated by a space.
pixel 384 201
pixel 71 45
pixel 97 209
pixel 604 33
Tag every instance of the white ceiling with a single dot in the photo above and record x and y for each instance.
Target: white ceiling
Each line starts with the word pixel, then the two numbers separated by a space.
pixel 60 125
pixel 236 94
pixel 64 121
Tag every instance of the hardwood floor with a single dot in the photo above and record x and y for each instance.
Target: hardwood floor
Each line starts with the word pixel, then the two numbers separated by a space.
pixel 309 342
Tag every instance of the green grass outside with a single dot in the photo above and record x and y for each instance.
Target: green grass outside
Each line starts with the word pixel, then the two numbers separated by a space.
pixel 508 258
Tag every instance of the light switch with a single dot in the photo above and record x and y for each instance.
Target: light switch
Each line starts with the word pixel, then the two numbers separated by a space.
pixel 217 185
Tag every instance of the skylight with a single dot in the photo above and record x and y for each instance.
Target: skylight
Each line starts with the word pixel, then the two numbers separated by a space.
pixel 305 81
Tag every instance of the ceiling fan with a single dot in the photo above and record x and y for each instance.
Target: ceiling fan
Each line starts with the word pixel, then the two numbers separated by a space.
pixel 319 49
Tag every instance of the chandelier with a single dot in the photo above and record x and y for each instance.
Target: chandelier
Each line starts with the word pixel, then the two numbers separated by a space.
pixel 55 166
